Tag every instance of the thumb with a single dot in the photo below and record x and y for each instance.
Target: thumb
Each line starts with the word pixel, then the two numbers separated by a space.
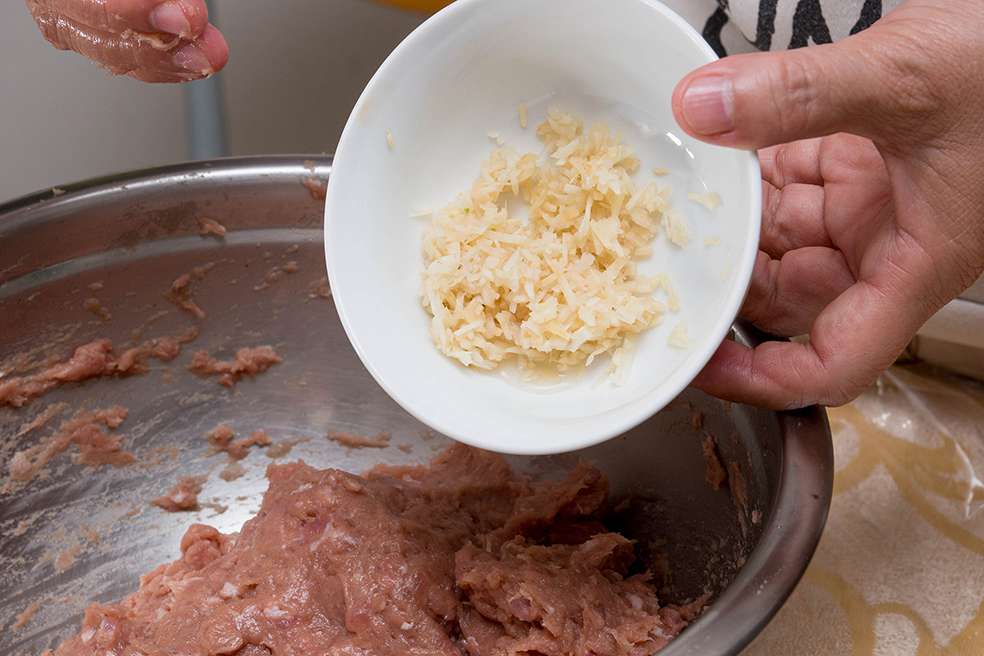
pixel 762 99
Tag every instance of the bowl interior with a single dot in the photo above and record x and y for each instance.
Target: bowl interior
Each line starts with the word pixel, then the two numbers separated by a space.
pixel 464 74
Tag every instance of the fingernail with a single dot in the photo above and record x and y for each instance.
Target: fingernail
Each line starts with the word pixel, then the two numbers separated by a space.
pixel 169 17
pixel 191 58
pixel 708 105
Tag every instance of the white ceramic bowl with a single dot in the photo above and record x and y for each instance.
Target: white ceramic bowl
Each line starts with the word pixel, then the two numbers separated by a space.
pixel 463 74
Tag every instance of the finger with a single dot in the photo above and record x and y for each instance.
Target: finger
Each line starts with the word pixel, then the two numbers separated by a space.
pixel 852 341
pixel 761 99
pixel 183 18
pixel 129 55
pixel 792 217
pixel 776 375
pixel 796 162
pixel 200 59
pixel 786 295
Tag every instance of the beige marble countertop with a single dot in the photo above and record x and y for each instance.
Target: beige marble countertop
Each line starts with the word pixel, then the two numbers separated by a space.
pixel 900 568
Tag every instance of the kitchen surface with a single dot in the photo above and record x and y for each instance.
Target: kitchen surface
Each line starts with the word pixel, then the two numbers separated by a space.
pixel 899 570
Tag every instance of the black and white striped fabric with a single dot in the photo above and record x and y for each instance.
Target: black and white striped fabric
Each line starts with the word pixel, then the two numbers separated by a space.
pixel 733 26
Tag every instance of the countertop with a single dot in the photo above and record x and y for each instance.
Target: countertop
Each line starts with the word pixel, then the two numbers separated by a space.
pixel 900 569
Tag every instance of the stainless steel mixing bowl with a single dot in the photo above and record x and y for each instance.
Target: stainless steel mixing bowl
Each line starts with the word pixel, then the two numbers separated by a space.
pixel 78 534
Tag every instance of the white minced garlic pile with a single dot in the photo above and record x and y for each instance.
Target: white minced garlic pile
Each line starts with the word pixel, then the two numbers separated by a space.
pixel 561 288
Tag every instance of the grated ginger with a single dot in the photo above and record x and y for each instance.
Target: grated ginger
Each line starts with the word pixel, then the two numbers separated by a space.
pixel 560 288
pixel 679 337
pixel 711 200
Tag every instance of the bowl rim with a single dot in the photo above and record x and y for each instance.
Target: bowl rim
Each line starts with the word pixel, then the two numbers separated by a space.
pixel 645 405
pixel 804 488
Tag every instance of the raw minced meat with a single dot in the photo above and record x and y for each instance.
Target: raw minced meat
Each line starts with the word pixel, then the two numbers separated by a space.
pixel 247 362
pixel 459 558
pixel 183 496
pixel 93 360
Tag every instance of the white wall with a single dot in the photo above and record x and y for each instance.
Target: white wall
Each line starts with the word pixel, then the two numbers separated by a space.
pixel 296 69
pixel 298 66
pixel 62 118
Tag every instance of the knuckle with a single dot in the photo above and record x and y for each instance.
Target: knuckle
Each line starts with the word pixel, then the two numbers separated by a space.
pixel 793 388
pixel 795 89
pixel 761 293
pixel 841 390
pixel 784 225
pixel 781 165
pixel 838 396
pixel 770 212
pixel 834 390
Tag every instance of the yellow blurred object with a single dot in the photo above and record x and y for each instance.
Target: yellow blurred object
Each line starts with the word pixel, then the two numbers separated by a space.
pixel 429 6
